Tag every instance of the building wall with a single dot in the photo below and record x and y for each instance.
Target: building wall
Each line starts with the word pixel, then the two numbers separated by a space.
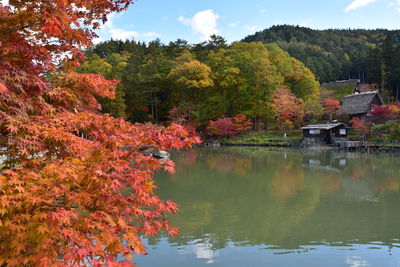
pixel 322 136
pixel 325 136
pixel 375 102
pixel 336 131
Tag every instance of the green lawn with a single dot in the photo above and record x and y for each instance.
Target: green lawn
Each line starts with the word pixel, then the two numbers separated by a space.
pixel 267 138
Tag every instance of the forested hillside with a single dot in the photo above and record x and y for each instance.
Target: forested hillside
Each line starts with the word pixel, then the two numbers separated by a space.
pixel 203 82
pixel 211 80
pixel 340 54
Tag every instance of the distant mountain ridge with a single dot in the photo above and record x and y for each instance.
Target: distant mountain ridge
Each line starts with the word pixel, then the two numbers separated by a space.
pixel 332 54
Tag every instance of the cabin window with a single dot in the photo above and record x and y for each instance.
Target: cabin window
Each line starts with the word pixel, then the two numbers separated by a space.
pixel 342 131
pixel 315 131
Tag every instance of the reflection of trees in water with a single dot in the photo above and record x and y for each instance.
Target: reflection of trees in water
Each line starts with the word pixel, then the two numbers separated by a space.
pixel 200 214
pixel 242 166
pixel 256 196
pixel 359 171
pixel 257 199
pixel 380 173
pixel 384 174
pixel 189 157
pixel 226 163
pixel 222 163
pixel 331 183
pixel 387 184
pixel 288 179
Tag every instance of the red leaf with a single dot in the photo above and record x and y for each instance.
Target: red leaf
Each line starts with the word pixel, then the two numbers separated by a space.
pixel 3 88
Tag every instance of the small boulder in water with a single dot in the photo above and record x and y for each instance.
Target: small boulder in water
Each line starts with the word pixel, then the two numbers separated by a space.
pixel 161 154
pixel 152 151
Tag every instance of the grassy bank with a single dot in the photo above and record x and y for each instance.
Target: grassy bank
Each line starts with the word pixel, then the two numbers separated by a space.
pixel 270 138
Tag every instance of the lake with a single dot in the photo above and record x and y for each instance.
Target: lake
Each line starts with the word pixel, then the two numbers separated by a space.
pixel 273 207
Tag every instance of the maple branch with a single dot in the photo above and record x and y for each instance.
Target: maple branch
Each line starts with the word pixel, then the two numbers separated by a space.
pixel 19 28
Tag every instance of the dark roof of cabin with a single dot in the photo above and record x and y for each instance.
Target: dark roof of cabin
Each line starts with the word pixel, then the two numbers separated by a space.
pixel 326 126
pixel 359 103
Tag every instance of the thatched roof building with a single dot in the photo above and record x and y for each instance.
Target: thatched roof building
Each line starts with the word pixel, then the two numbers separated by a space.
pixel 359 105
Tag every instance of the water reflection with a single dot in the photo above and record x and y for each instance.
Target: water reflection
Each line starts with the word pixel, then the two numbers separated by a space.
pixel 291 201
pixel 201 250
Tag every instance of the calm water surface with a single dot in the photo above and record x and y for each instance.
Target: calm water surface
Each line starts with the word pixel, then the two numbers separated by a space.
pixel 263 207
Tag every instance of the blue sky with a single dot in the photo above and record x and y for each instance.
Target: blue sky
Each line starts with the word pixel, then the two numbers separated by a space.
pixel 195 20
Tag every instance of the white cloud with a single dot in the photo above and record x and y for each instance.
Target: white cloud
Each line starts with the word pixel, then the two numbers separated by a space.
pixel 356 261
pixel 251 28
pixel 306 23
pixel 233 24
pixel 151 35
pixel 97 40
pixel 262 11
pixel 203 23
pixel 395 4
pixel 358 4
pixel 108 28
pixel 121 34
pixel 109 23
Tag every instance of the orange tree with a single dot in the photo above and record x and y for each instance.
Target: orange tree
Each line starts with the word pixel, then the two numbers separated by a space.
pixel 241 123
pixel 361 127
pixel 75 190
pixel 287 109
pixel 223 126
pixel 331 106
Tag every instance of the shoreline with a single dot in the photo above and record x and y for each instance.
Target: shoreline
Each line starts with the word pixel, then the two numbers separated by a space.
pixel 369 148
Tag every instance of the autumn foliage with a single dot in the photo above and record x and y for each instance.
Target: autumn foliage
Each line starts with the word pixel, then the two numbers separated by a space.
pixel 242 123
pixel 227 126
pixel 287 109
pixel 75 189
pixel 361 126
pixel 395 110
pixel 331 106
pixel 224 126
pixel 381 114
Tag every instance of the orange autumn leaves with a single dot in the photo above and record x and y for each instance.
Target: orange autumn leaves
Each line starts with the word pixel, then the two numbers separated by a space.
pixel 3 88
pixel 331 106
pixel 75 190
pixel 287 109
pixel 93 193
pixel 226 126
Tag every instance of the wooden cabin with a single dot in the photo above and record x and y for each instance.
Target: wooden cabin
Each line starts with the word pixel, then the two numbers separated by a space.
pixel 324 133
pixel 360 104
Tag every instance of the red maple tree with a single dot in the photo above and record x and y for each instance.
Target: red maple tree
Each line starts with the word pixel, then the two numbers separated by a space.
pixel 361 126
pixel 242 123
pixel 331 106
pixel 381 113
pixel 287 108
pixel 222 127
pixel 75 188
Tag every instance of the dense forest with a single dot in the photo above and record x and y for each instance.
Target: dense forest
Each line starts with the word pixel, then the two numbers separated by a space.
pixel 202 82
pixel 372 56
pixel 271 77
